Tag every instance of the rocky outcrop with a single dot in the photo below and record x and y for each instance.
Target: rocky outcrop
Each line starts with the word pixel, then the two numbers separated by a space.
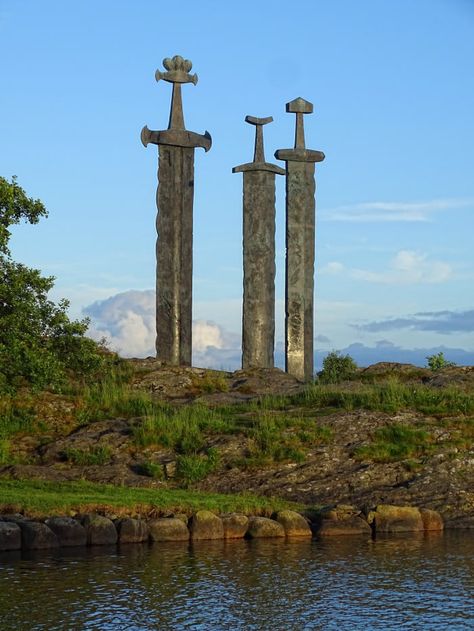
pixel 235 525
pixel 68 531
pixel 132 530
pixel 168 529
pixel 206 525
pixel 262 527
pixel 100 530
pixel 294 524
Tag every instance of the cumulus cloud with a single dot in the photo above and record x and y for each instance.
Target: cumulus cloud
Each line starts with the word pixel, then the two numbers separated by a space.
pixel 406 267
pixel 445 322
pixel 393 211
pixel 127 321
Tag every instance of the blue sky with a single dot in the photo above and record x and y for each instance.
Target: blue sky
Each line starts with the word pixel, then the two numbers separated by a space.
pixel 391 83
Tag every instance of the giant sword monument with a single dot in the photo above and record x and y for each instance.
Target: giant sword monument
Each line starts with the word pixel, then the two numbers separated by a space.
pixel 174 223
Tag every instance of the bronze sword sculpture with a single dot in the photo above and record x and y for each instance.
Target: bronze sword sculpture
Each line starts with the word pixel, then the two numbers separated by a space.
pixel 258 317
pixel 174 223
pixel 300 234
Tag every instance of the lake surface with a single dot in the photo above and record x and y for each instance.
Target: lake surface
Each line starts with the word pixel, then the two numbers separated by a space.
pixel 408 582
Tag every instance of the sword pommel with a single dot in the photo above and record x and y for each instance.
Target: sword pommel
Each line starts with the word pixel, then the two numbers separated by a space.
pixel 177 71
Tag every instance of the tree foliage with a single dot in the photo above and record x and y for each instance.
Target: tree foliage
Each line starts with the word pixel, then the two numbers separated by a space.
pixel 39 344
pixel 438 362
pixel 337 368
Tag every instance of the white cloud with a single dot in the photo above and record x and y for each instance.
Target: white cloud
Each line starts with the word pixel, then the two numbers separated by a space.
pixel 127 321
pixel 392 211
pixel 406 268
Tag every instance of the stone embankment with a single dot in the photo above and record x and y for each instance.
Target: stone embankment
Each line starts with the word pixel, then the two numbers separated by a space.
pixel 17 532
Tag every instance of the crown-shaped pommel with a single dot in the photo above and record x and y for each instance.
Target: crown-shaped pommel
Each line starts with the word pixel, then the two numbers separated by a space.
pixel 177 71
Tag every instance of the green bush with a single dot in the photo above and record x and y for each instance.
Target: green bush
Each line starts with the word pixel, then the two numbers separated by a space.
pixel 39 345
pixel 438 362
pixel 337 368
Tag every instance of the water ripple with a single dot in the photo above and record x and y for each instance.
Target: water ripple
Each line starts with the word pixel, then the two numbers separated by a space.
pixel 411 582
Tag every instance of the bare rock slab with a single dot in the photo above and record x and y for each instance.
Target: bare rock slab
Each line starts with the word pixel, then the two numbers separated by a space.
pixel 432 520
pixel 37 536
pixel 235 526
pixel 294 524
pixel 168 529
pixel 68 531
pixel 10 536
pixel 388 518
pixel 206 525
pixel 132 530
pixel 100 530
pixel 262 527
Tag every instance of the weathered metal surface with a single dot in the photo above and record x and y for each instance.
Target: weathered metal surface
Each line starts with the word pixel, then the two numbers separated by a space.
pixel 174 223
pixel 300 238
pixel 258 317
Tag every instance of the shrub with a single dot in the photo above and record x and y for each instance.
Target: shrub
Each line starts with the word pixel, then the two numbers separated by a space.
pixel 337 368
pixel 39 345
pixel 438 362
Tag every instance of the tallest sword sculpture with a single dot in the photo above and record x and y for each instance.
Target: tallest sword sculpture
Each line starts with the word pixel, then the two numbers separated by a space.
pixel 174 223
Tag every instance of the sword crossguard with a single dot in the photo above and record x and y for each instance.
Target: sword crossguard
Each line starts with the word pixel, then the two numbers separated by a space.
pixel 177 73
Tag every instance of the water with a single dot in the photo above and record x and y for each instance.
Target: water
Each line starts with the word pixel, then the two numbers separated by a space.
pixel 411 582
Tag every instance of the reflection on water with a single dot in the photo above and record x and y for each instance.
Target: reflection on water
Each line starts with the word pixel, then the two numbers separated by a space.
pixel 413 582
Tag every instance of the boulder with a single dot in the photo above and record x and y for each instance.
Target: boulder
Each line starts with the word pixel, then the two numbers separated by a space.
pixel 342 520
pixel 387 518
pixel 168 529
pixel 100 530
pixel 334 527
pixel 261 527
pixel 206 525
pixel 432 520
pixel 132 530
pixel 235 525
pixel 37 536
pixel 294 524
pixel 68 531
pixel 10 536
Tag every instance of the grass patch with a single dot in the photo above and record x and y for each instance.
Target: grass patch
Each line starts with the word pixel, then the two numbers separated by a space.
pixel 40 498
pixel 112 397
pixel 210 383
pixel 396 442
pixel 182 429
pixel 99 455
pixel 194 467
pixel 391 396
pixel 14 418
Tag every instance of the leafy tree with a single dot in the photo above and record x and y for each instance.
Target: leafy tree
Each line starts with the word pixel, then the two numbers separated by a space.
pixel 39 344
pixel 438 362
pixel 337 368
